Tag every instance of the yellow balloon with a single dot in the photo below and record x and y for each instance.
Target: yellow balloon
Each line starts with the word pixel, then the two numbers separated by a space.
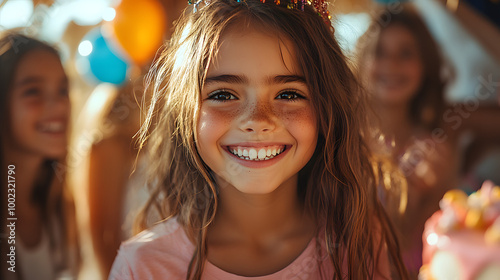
pixel 139 27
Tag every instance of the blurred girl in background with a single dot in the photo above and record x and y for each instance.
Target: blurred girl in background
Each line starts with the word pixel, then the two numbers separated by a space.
pixel 115 192
pixel 401 67
pixel 35 110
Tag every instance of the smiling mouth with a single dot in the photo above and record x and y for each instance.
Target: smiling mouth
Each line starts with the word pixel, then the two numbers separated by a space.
pixel 256 154
pixel 392 82
pixel 52 127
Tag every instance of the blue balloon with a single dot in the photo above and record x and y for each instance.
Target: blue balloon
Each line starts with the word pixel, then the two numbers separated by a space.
pixel 105 65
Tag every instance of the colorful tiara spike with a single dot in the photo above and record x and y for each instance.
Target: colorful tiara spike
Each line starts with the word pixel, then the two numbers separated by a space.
pixel 320 6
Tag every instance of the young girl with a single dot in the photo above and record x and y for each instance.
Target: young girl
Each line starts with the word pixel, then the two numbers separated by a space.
pixel 35 118
pixel 402 68
pixel 259 167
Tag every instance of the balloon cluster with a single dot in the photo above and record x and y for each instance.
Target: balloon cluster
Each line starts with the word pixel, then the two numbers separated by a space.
pixel 108 52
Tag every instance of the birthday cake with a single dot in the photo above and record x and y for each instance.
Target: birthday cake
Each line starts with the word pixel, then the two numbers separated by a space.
pixel 462 240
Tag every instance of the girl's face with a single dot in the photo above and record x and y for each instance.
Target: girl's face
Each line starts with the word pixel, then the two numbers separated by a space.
pixel 396 71
pixel 256 127
pixel 39 106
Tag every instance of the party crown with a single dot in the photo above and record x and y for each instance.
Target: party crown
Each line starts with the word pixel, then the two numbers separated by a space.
pixel 320 6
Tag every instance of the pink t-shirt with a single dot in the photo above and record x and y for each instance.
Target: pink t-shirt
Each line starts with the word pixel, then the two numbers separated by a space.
pixel 164 252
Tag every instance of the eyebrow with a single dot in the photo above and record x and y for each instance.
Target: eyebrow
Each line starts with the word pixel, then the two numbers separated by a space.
pixel 231 79
pixel 236 79
pixel 36 79
pixel 284 79
pixel 29 80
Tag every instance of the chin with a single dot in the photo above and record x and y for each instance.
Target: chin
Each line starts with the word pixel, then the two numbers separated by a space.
pixel 394 97
pixel 56 154
pixel 251 186
pixel 256 189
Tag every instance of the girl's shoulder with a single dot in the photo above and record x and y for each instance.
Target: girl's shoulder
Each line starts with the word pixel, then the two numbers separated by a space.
pixel 164 250
pixel 167 232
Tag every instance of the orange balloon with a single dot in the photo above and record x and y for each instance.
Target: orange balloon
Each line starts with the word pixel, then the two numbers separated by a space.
pixel 139 27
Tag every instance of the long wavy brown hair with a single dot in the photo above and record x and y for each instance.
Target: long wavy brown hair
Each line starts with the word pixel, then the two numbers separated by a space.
pixel 337 185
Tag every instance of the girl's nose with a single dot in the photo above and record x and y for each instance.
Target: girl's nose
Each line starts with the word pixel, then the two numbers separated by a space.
pixel 259 118
pixel 58 104
pixel 387 61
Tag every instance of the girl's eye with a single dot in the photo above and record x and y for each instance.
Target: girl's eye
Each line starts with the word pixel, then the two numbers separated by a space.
pixel 64 92
pixel 221 96
pixel 406 54
pixel 31 92
pixel 290 95
pixel 379 53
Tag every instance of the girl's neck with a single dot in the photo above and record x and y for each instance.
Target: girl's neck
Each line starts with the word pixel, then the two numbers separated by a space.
pixel 260 217
pixel 255 235
pixel 395 123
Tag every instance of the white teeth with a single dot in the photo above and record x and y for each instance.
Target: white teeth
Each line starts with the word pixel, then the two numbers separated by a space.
pixel 52 127
pixel 252 154
pixel 262 154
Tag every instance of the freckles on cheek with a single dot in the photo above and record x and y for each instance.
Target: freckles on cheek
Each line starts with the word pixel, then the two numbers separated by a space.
pixel 212 122
pixel 303 125
pixel 302 118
